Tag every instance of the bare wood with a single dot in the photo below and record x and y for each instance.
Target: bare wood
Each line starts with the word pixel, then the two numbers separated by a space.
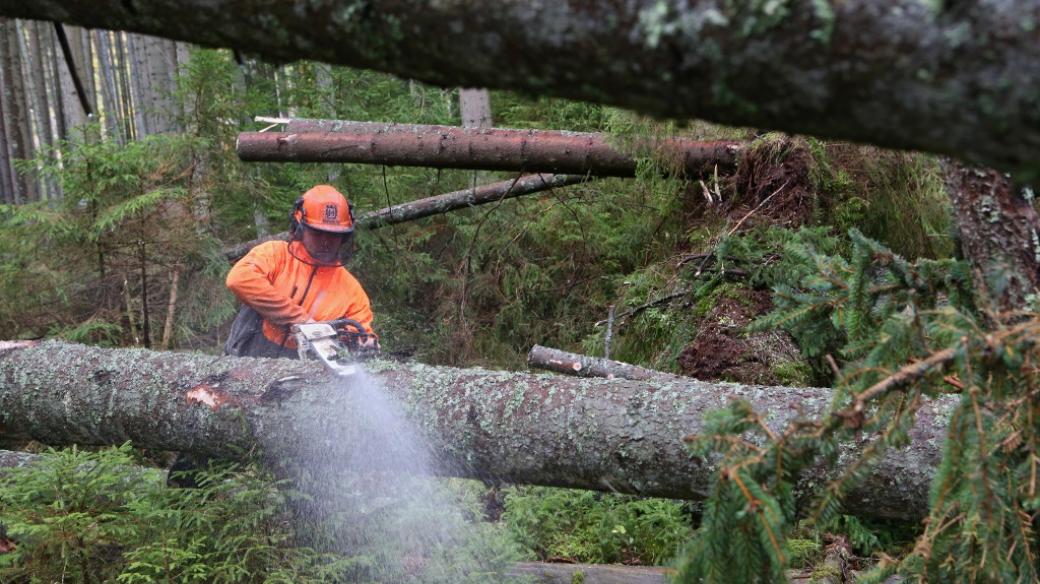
pixel 552 430
pixel 476 148
pixel 540 357
pixel 546 573
pixel 411 211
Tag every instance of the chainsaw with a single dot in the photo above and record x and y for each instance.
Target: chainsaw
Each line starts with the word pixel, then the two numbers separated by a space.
pixel 338 344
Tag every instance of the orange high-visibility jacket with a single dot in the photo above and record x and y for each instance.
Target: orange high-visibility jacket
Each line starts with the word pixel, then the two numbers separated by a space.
pixel 286 286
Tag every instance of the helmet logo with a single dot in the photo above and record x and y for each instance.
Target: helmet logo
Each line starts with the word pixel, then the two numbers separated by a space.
pixel 331 214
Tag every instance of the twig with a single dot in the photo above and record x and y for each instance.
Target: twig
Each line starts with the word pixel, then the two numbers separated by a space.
pixel 739 223
pixel 651 304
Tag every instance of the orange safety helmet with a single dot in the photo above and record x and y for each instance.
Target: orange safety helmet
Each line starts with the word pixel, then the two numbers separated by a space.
pixel 322 208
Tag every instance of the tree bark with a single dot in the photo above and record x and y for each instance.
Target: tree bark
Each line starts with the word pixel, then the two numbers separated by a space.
pixel 999 233
pixel 477 149
pixel 7 185
pixel 624 436
pixel 73 115
pixel 954 78
pixel 566 363
pixel 475 108
pixel 15 108
pixel 490 193
pixel 110 100
pixel 38 63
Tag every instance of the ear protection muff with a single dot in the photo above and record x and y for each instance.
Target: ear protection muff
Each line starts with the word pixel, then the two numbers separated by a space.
pixel 296 219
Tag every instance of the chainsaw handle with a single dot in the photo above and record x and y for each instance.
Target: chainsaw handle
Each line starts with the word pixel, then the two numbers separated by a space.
pixel 342 322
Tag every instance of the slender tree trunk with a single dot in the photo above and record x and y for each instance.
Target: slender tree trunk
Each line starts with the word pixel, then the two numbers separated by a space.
pixel 478 149
pixel 146 334
pixel 122 62
pixel 999 233
pixel 72 110
pixel 625 436
pixel 161 58
pixel 38 64
pixel 136 75
pixel 6 170
pixel 109 92
pixel 13 94
pixel 55 71
pixel 475 107
pixel 171 308
pixel 414 210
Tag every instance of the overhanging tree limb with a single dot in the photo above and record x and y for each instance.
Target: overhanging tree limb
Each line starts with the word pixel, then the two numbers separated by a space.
pixel 410 211
pixel 618 435
pixel 957 78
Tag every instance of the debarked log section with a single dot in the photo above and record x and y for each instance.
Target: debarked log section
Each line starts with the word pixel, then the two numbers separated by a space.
pixel 541 429
pixel 479 149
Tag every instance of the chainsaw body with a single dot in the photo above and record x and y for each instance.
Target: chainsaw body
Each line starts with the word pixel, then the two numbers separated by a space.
pixel 338 344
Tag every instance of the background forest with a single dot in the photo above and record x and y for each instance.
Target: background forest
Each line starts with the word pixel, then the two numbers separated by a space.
pixel 114 231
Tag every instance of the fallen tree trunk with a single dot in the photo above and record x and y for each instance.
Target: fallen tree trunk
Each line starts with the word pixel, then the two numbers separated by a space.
pixel 482 195
pixel 953 78
pixel 480 149
pixel 618 435
pixel 540 357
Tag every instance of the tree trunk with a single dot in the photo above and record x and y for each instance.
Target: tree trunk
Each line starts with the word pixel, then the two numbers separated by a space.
pixel 475 108
pixel 953 78
pixel 999 232
pixel 38 63
pixel 7 185
pixel 623 436
pixel 73 115
pixel 16 107
pixel 109 101
pixel 136 72
pixel 559 361
pixel 160 68
pixel 121 61
pixel 474 148
pixel 482 195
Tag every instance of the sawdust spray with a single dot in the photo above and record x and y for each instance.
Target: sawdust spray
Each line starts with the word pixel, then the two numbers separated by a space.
pixel 377 501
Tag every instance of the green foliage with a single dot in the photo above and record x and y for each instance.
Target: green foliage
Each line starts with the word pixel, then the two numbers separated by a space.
pixel 583 526
pixel 886 312
pixel 898 199
pixel 97 517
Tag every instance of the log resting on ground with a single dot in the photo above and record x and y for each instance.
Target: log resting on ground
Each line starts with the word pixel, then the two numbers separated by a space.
pixel 418 209
pixel 479 149
pixel 958 78
pixel 542 429
pixel 540 357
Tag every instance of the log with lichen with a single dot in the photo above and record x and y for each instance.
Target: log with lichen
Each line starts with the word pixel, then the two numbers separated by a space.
pixel 949 77
pixel 619 435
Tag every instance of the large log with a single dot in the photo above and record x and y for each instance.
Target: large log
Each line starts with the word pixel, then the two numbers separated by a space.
pixel 476 148
pixel 958 78
pixel 618 435
pixel 418 209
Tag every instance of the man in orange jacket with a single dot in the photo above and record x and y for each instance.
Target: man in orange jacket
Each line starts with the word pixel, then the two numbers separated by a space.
pixel 302 280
